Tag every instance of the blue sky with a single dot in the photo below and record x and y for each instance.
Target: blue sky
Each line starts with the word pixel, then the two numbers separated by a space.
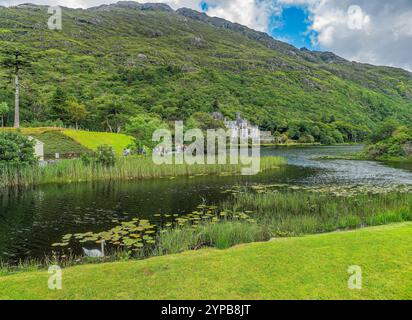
pixel 293 27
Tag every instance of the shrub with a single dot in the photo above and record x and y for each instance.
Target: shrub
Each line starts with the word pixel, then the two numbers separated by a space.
pixel 85 159
pixel 105 155
pixel 143 126
pixel 306 138
pixel 16 149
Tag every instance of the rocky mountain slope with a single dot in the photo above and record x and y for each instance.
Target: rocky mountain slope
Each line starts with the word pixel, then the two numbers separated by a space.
pixel 127 58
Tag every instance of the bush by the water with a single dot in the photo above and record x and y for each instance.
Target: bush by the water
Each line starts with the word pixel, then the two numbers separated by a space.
pixel 390 141
pixel 16 149
pixel 105 155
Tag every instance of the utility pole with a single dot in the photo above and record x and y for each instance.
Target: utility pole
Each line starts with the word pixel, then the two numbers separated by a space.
pixel 15 59
pixel 17 96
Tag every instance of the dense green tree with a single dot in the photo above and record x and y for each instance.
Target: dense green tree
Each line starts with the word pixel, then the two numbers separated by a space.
pixel 4 110
pixel 142 127
pixel 113 111
pixel 16 149
pixel 384 130
pixel 16 58
pixel 58 105
pixel 105 155
pixel 306 138
pixel 204 121
pixel 77 111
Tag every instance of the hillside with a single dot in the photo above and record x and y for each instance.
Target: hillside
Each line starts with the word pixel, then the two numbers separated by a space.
pixel 313 267
pixel 125 59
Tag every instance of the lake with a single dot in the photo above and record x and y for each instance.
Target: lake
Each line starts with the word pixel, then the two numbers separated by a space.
pixel 33 219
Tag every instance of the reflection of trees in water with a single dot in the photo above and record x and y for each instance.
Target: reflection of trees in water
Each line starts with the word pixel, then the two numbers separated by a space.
pixel 37 217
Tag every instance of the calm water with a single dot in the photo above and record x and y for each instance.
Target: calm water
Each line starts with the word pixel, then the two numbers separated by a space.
pixel 32 220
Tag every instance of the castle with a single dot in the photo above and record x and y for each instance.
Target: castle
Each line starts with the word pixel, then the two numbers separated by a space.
pixel 244 129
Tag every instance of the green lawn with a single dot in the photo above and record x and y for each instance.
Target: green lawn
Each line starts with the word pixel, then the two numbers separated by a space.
pixel 92 140
pixel 312 267
pixel 55 141
pixel 67 141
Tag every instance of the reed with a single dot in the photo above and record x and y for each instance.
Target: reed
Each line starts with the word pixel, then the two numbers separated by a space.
pixel 221 235
pixel 298 213
pixel 279 214
pixel 133 168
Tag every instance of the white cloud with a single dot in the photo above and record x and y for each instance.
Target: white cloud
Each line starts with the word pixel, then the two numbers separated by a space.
pixel 252 13
pixel 378 32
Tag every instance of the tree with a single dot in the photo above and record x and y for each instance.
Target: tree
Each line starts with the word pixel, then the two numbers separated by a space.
pixel 105 155
pixel 113 111
pixel 143 126
pixel 4 109
pixel 384 130
pixel 16 58
pixel 16 149
pixel 58 107
pixel 204 121
pixel 76 111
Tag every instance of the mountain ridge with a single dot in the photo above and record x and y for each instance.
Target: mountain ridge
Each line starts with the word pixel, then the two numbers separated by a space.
pixel 262 37
pixel 127 58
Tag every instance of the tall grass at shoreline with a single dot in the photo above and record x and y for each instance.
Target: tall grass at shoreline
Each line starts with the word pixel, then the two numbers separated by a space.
pixel 275 214
pixel 300 213
pixel 133 168
pixel 221 235
pixel 285 214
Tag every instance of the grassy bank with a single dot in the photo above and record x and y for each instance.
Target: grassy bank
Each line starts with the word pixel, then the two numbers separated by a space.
pixel 313 267
pixel 91 140
pixel 297 213
pixel 68 141
pixel 133 168
pixel 284 214
pixel 55 141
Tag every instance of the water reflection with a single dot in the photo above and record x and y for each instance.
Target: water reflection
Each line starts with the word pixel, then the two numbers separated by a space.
pixel 31 221
pixel 344 171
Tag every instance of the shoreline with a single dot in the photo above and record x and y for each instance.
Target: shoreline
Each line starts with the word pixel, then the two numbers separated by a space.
pixel 279 260
pixel 133 168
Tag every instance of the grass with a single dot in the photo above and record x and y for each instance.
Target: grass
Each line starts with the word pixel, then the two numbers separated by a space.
pixel 132 168
pixel 57 142
pixel 221 235
pixel 299 213
pixel 312 267
pixel 92 140
pixel 54 141
pixel 68 141
pixel 31 131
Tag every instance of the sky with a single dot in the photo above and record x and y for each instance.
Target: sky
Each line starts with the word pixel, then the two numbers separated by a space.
pixel 371 31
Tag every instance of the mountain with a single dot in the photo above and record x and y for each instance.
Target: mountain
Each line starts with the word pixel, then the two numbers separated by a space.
pixel 128 58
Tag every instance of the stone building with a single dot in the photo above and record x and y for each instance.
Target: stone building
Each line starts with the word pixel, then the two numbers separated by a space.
pixel 243 128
